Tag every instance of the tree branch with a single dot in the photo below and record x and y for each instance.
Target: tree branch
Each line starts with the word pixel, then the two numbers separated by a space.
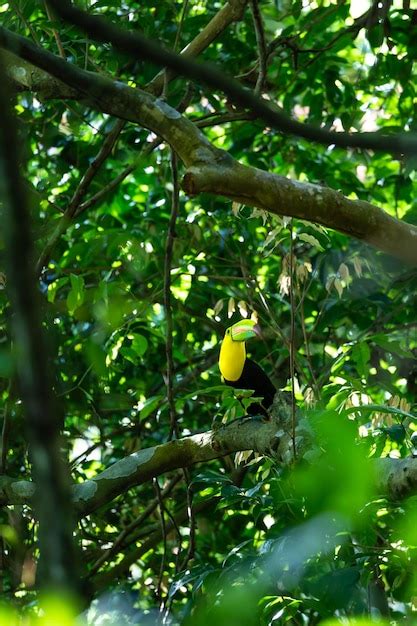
pixel 283 196
pixel 79 194
pixel 214 171
pixel 231 12
pixel 395 477
pixel 52 502
pixel 28 75
pixel 139 46
pixel 145 464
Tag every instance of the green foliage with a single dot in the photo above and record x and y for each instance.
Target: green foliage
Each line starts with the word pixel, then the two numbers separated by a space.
pixel 265 544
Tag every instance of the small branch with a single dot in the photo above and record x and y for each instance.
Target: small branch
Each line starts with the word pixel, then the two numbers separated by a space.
pixel 79 193
pixel 121 539
pixel 104 152
pixel 103 580
pixel 173 431
pixel 260 40
pixel 55 32
pixel 139 46
pixel 231 12
pixel 4 448
pixel 292 342
pixel 28 25
pixel 164 539
pixel 149 148
pixel 214 171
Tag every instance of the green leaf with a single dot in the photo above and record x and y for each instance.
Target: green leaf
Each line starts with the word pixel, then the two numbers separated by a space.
pixel 54 287
pixel 375 35
pixel 392 345
pixel 76 295
pixel 313 241
pixel 379 408
pixel 149 406
pixel 361 355
pixel 139 344
pixel 6 363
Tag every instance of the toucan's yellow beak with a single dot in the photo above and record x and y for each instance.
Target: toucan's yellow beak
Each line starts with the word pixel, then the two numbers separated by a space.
pixel 244 330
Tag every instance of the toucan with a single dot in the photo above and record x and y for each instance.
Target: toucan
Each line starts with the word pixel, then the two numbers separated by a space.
pixel 241 372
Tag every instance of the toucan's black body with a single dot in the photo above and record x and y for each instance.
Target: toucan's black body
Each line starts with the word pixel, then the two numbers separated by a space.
pixel 253 377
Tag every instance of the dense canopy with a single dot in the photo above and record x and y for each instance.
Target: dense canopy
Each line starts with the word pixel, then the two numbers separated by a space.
pixel 167 169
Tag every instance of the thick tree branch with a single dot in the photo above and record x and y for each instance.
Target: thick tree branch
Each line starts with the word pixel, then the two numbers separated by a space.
pixel 214 171
pixel 395 477
pixel 26 76
pixel 283 196
pixel 230 12
pixel 145 464
pixel 139 46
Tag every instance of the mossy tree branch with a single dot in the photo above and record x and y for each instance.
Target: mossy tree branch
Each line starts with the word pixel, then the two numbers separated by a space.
pixel 214 171
pixel 396 478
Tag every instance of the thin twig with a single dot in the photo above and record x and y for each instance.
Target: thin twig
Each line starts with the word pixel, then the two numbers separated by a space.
pixel 181 24
pixel 177 38
pixel 192 524
pixel 120 178
pixel 138 521
pixel 55 32
pixel 167 295
pixel 164 538
pixel 104 152
pixel 5 430
pixel 26 23
pixel 308 354
pixel 79 193
pixel 292 338
pixel 261 43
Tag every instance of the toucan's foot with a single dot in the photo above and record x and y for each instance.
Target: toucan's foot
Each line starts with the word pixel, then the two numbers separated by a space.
pixel 240 420
pixel 217 422
pixel 260 417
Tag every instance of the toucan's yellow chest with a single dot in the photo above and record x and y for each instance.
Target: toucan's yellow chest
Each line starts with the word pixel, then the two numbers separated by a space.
pixel 232 358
